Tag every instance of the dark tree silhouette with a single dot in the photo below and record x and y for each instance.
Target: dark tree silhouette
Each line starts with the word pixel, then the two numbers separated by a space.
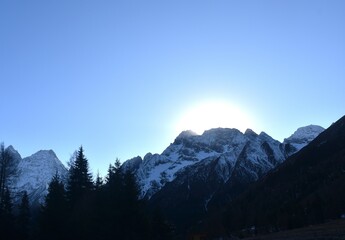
pixel 80 197
pixel 114 176
pixel 23 218
pixel 98 182
pixel 5 167
pixel 6 216
pixel 135 223
pixel 110 210
pixel 54 212
pixel 80 179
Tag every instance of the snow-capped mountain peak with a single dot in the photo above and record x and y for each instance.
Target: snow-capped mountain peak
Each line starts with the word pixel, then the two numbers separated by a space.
pixel 302 136
pixel 306 133
pixel 214 168
pixel 224 150
pixel 220 154
pixel 186 134
pixel 34 173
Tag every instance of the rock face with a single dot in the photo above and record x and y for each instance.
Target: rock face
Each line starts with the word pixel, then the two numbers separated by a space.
pixel 228 151
pixel 193 171
pixel 197 171
pixel 301 137
pixel 33 174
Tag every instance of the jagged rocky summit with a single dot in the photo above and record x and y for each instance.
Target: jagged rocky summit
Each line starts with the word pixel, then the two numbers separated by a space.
pixel 301 137
pixel 199 172
pixel 305 190
pixel 33 174
pixel 217 155
pixel 214 158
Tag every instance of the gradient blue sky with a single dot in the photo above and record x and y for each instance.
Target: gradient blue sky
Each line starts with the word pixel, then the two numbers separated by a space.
pixel 116 76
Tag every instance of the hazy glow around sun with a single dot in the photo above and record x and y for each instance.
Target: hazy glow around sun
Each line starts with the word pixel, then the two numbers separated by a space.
pixel 213 114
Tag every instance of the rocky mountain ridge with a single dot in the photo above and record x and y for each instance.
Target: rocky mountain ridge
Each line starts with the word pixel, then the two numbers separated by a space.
pixel 230 151
pixel 303 191
pixel 201 172
pixel 33 174
pixel 218 154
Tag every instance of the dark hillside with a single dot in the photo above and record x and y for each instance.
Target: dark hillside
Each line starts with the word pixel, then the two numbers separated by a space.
pixel 308 188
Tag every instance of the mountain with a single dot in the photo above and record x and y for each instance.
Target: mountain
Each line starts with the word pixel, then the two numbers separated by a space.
pixel 301 137
pixel 197 171
pixel 307 189
pixel 194 173
pixel 33 174
pixel 154 170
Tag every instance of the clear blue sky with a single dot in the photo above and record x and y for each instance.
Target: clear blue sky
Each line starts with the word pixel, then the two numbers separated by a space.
pixel 115 76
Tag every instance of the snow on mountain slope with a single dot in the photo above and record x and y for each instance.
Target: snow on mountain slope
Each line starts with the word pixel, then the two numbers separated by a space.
pixel 233 161
pixel 34 173
pixel 227 150
pixel 218 154
pixel 301 137
pixel 187 149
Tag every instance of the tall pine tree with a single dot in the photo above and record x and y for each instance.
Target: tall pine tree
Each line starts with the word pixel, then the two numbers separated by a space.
pixel 98 182
pixel 80 197
pixel 6 216
pixel 54 212
pixel 135 223
pixel 23 218
pixel 114 176
pixel 80 179
pixel 111 208
pixel 5 169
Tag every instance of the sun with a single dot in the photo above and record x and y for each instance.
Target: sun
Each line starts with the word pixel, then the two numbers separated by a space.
pixel 213 114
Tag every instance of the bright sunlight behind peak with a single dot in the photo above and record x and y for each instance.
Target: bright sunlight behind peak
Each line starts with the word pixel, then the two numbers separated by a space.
pixel 213 114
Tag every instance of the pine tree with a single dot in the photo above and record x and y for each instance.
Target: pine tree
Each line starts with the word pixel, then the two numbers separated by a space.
pixel 54 211
pixel 6 216
pixel 110 173
pixel 114 176
pixel 80 179
pixel 111 208
pixel 24 218
pixel 5 167
pixel 80 197
pixel 6 204
pixel 98 182
pixel 134 221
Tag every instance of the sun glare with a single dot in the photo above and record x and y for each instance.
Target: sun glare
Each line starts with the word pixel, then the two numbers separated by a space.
pixel 214 114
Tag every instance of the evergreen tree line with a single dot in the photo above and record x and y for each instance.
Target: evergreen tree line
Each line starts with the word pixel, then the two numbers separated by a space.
pixel 107 208
pixel 13 225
